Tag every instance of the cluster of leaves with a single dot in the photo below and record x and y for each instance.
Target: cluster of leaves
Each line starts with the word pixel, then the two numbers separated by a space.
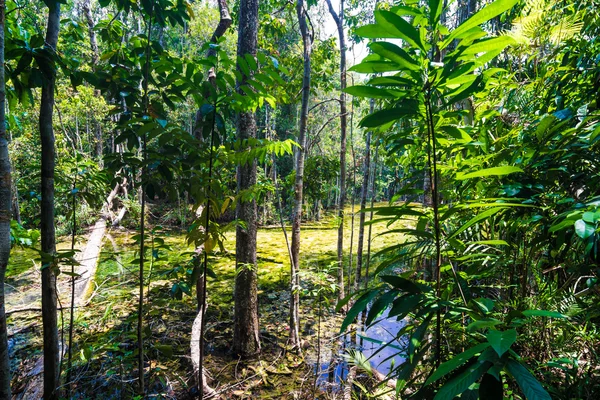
pixel 513 217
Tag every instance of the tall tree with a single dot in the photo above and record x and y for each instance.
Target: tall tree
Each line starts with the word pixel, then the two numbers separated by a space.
pixel 339 21
pixel 363 205
pixel 246 341
pixel 299 182
pixel 5 214
pixel 48 235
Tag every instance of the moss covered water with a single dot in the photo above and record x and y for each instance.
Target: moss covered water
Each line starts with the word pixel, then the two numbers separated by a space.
pixel 106 329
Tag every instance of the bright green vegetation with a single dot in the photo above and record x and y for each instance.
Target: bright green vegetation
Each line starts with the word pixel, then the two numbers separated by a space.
pixel 473 125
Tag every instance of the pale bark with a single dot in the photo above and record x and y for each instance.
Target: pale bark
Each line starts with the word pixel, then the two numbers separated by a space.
pixel 339 21
pixel 246 340
pixel 5 216
pixel 299 182
pixel 48 236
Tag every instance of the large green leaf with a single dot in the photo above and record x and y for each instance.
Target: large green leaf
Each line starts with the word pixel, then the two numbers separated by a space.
pixel 392 81
pixel 394 53
pixel 456 362
pixel 435 11
pixel 360 305
pixel 488 44
pixel 460 383
pixel 372 67
pixel 583 229
pixel 380 305
pixel 479 217
pixel 485 14
pixel 494 171
pixel 543 313
pixel 402 284
pixel 398 27
pixel 387 115
pixel 502 340
pixel 370 92
pixel 531 387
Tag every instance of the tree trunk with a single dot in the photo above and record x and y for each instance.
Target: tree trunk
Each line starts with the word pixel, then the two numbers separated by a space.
pixel 246 341
pixel 363 204
pixel 87 13
pixel 5 216
pixel 49 317
pixel 299 183
pixel 339 21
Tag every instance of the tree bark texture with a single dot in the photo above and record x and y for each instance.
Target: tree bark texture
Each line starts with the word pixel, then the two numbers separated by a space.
pixel 48 235
pixel 246 341
pixel 5 216
pixel 363 205
pixel 339 21
pixel 299 182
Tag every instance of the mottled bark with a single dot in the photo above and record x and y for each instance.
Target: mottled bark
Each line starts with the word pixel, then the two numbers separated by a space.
pixel 363 205
pixel 246 341
pixel 48 236
pixel 5 214
pixel 339 21
pixel 299 182
pixel 87 13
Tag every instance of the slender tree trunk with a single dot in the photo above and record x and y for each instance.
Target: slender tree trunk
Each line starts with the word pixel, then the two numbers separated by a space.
pixel 246 341
pixel 5 214
pixel 363 204
pixel 339 21
pixel 373 194
pixel 299 183
pixel 49 297
pixel 87 13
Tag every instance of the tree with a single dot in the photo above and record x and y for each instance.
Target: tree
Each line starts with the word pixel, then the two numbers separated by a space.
pixel 5 216
pixel 246 341
pixel 339 21
pixel 49 267
pixel 299 180
pixel 363 205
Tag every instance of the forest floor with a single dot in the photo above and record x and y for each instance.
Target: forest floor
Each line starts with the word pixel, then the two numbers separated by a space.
pixel 105 331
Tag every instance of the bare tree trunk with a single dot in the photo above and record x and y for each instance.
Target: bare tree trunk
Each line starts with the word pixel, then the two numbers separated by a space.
pixel 299 183
pixel 363 204
pixel 339 21
pixel 48 235
pixel 246 340
pixel 373 194
pixel 87 13
pixel 5 216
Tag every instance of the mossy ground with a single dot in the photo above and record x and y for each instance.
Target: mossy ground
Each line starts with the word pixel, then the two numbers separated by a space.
pixel 105 351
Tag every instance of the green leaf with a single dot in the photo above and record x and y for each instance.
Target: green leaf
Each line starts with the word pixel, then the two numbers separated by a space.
pixel 402 284
pixel 485 14
pixel 360 305
pixel 530 386
pixel 370 92
pixel 396 54
pixel 456 362
pixel 387 115
pixel 483 324
pixel 583 229
pixel 479 217
pixel 543 313
pixel 435 11
pixel 460 383
pixel 397 27
pixel 380 305
pixel 502 340
pixel 494 171
pixel 486 45
pixel 392 81
pixel 373 67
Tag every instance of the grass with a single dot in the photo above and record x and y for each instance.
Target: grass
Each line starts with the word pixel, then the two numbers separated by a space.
pixel 105 332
